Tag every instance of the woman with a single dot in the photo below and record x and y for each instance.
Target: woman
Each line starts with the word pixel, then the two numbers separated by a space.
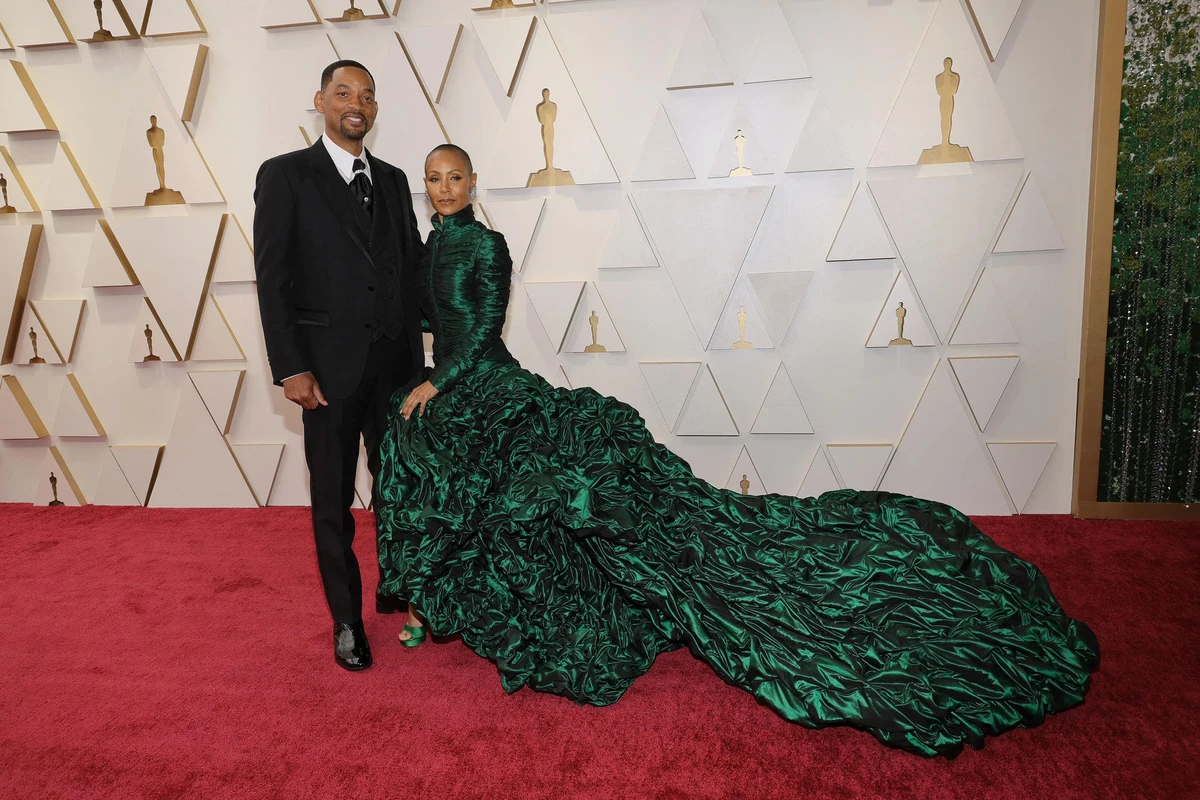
pixel 549 530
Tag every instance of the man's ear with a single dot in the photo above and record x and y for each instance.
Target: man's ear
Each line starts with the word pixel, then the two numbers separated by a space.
pixel 319 102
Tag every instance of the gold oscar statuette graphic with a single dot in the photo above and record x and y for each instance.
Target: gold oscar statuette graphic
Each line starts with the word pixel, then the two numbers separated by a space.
pixel 36 358
pixel 150 345
pixel 6 208
pixel 101 35
pixel 162 196
pixel 547 114
pixel 742 170
pixel 947 83
pixel 595 347
pixel 745 484
pixel 741 343
pixel 501 4
pixel 352 14
pixel 901 313
pixel 54 489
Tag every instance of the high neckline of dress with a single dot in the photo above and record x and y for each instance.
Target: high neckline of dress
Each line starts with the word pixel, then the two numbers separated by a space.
pixel 457 220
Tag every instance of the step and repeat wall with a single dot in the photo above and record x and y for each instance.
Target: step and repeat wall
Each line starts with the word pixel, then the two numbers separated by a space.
pixel 817 243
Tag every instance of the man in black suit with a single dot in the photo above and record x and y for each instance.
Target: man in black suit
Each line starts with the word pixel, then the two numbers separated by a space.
pixel 335 245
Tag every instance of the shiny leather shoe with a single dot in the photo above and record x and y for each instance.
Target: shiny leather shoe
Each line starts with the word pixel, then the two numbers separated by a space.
pixel 350 648
pixel 389 604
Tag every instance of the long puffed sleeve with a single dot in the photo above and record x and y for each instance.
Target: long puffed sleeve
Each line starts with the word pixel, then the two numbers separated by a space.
pixel 493 271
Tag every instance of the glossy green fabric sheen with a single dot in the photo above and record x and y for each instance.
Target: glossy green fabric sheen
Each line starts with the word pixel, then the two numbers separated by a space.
pixel 551 531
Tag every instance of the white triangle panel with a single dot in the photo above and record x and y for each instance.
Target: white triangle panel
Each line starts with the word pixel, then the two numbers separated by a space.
pixel 861 236
pixel 259 463
pixel 705 413
pixel 235 259
pixel 107 264
pixel 1021 465
pixel 432 50
pixel 1029 227
pixel 68 492
pixel 940 456
pixel 20 195
pixel 820 147
pixel 778 57
pixel 506 42
pixel 288 14
pixel 61 318
pixel 670 383
pixel 219 389
pixel 779 295
pixel 407 127
pixel 887 325
pixel 68 188
pixel 166 17
pixel 18 111
pixel 519 221
pixel 215 340
pixel 983 381
pixel 627 245
pixel 18 418
pixel 579 333
pixel 555 304
pixel 30 327
pixel 34 24
pixel 179 69
pixel 860 465
pixel 744 470
pixel 662 158
pixel 75 416
pixel 140 465
pixel 699 62
pixel 781 410
pixel 141 346
pixel 985 321
pixel 754 156
pixel 820 477
pixel 994 19
pixel 113 489
pixel 728 333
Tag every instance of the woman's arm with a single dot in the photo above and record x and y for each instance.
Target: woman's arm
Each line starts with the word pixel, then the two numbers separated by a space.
pixel 493 265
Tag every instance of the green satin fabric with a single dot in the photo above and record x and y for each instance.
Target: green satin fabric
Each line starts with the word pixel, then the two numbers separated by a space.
pixel 551 531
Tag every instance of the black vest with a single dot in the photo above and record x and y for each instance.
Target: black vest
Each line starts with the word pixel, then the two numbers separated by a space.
pixel 389 309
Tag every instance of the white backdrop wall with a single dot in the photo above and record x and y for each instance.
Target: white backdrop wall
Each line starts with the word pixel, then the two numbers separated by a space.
pixel 836 101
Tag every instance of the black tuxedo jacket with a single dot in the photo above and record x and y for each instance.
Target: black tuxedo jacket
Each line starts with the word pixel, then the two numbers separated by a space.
pixel 316 275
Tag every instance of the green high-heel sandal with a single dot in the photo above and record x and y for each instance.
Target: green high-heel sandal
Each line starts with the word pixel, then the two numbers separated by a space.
pixel 417 635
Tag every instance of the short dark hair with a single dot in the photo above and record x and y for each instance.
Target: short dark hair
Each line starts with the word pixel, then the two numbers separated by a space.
pixel 458 151
pixel 327 75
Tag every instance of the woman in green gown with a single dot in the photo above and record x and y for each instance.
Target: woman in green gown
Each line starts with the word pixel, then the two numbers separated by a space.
pixel 549 530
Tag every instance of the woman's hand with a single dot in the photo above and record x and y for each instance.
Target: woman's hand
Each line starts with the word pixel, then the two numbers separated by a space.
pixel 419 396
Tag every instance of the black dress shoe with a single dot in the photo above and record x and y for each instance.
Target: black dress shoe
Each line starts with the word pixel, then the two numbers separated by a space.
pixel 350 648
pixel 389 604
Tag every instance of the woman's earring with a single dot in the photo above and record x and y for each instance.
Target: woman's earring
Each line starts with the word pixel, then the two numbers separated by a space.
pixel 474 192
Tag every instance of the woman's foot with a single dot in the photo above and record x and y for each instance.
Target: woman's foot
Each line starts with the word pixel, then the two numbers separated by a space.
pixel 414 629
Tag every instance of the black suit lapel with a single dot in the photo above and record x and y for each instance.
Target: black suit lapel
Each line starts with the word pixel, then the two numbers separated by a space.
pixel 394 207
pixel 336 194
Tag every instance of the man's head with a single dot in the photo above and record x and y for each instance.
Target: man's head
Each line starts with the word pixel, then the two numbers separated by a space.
pixel 347 101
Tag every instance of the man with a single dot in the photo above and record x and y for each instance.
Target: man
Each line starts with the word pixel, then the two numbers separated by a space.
pixel 335 244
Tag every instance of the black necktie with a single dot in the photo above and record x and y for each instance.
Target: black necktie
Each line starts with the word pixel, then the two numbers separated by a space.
pixel 360 186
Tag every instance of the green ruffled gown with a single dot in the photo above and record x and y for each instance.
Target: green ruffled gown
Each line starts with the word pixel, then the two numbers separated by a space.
pixel 549 530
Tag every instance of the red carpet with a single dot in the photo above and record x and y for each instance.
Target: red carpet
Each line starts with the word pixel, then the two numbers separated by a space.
pixel 187 654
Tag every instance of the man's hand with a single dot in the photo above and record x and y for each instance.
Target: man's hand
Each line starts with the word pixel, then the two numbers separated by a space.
pixel 303 391
pixel 418 397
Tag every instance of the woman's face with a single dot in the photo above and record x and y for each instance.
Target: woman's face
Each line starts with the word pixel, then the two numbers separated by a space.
pixel 448 182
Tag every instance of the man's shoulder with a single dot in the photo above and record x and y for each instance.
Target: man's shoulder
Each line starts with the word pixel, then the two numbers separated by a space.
pixel 290 160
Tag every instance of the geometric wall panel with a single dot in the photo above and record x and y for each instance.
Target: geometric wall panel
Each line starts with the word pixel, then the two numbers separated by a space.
pixel 143 344
pixel 35 23
pixel 506 42
pixel 820 147
pixel 259 463
pixel 741 148
pixel 519 220
pixel 18 418
pixel 577 146
pixel 80 16
pixel 781 410
pixel 777 57
pixel 699 62
pixel 19 245
pixel 779 294
pixel 1021 465
pixel 288 14
pixel 235 259
pixel 21 106
pixel 979 121
pixel 861 236
pixel 627 245
pixel 179 69
pixel 670 383
pixel 334 10
pixel 107 264
pixel 64 488
pixel 921 211
pixel 1029 227
pixel 983 380
pixel 994 19
pixel 215 340
pixel 167 17
pixel 703 237
pixel 113 489
pixel 198 468
pixel 860 465
pixel 32 331
pixel 432 50
pixel 5 42
pixel 984 321
pixel 19 195
pixel 61 320
pixel 887 325
pixel 555 304
pixel 140 465
pixel 940 455
pixel 744 470
pixel 706 413
pixel 662 157
pixel 68 189
pixel 75 415
pixel 820 477
pixel 219 389
pixel 584 328
pixel 742 325
pixel 173 257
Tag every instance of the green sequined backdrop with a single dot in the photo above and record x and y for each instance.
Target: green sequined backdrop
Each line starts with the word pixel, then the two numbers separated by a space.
pixel 1150 445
